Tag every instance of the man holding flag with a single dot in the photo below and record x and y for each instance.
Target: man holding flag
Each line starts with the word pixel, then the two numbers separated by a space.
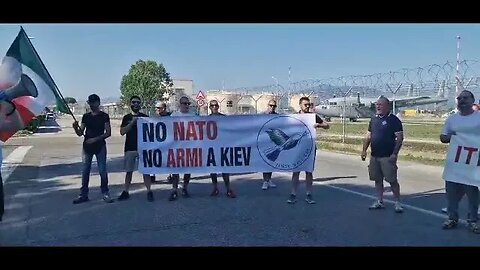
pixel 26 88
pixel 95 128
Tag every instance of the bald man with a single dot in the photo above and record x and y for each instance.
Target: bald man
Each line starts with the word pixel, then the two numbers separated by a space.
pixel 385 134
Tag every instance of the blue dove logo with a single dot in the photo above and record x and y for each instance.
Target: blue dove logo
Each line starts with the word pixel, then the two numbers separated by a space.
pixel 282 141
pixel 285 142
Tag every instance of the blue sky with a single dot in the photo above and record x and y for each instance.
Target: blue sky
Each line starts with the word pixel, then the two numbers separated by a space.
pixel 87 58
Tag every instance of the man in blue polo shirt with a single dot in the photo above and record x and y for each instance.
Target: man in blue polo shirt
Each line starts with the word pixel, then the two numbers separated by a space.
pixel 385 134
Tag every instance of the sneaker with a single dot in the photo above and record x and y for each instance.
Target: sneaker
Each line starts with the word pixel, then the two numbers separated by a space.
pixel 474 227
pixel 444 210
pixel 124 196
pixel 292 199
pixel 271 184
pixel 173 196
pixel 80 199
pixel 309 199
pixel 215 192
pixel 449 224
pixel 185 193
pixel 398 208
pixel 377 205
pixel 107 199
pixel 150 196
pixel 230 194
pixel 265 185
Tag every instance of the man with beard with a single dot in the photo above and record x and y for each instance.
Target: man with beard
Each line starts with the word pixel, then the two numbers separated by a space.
pixel 305 105
pixel 465 121
pixel 267 176
pixel 129 127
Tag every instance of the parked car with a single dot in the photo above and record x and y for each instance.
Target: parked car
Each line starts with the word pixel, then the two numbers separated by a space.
pixel 50 116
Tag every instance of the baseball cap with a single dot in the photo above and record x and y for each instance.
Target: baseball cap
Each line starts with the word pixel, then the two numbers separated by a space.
pixel 93 98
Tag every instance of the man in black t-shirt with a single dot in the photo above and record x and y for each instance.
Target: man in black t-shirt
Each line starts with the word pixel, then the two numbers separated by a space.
pixel 385 134
pixel 319 123
pixel 226 177
pixel 129 127
pixel 95 128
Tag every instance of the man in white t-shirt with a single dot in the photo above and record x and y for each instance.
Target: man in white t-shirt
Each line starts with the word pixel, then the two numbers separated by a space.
pixel 465 121
pixel 184 111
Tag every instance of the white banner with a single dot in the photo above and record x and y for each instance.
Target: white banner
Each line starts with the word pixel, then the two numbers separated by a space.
pixel 462 164
pixel 226 144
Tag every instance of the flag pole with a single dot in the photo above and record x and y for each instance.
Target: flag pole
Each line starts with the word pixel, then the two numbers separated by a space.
pixel 48 73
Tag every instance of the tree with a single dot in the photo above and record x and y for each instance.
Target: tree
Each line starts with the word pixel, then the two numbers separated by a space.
pixel 146 79
pixel 70 100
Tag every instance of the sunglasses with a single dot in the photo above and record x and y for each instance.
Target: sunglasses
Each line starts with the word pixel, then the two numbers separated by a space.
pixel 273 106
pixel 185 103
pixel 213 105
pixel 136 102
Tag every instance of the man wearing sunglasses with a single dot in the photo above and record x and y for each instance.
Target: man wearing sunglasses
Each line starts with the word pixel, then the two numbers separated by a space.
pixel 267 176
pixel 129 127
pixel 226 177
pixel 161 111
pixel 184 110
pixel 305 108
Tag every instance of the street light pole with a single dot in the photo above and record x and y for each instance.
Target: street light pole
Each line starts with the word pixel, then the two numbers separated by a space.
pixel 457 75
pixel 289 85
pixel 276 81
pixel 344 111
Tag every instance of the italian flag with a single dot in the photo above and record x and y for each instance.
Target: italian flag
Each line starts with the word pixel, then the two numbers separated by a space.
pixel 28 85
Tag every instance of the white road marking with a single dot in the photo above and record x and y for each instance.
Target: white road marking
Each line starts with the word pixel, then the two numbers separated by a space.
pixel 13 160
pixel 407 206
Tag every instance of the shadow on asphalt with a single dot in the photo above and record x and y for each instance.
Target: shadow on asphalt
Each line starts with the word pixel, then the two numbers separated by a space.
pixel 251 203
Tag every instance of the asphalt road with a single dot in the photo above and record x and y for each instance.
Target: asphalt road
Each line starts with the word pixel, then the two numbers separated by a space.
pixel 41 187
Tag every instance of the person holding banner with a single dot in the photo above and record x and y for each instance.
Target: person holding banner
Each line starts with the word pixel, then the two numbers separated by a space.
pixel 160 111
pixel 267 176
pixel 226 177
pixel 129 127
pixel 95 128
pixel 305 104
pixel 184 112
pixel 385 134
pixel 465 121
